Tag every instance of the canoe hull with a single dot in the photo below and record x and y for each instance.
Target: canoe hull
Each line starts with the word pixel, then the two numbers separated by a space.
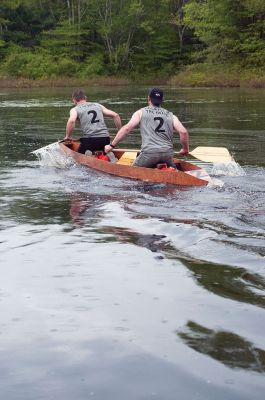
pixel 182 178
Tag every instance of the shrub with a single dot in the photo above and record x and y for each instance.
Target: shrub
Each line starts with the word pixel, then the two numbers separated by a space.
pixel 20 62
pixel 92 66
pixel 66 67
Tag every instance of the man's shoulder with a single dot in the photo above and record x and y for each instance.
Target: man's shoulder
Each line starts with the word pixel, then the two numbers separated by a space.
pixel 138 113
pixel 73 110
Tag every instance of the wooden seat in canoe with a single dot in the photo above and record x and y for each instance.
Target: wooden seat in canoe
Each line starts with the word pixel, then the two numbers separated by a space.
pixel 127 158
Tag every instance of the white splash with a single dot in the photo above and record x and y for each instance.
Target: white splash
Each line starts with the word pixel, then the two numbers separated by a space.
pixel 231 168
pixel 215 183
pixel 53 156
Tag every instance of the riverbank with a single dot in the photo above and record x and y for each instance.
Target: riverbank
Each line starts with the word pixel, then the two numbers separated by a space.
pixel 192 76
pixel 207 75
pixel 62 82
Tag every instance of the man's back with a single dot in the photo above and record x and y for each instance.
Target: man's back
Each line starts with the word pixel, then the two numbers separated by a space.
pixel 156 127
pixel 91 120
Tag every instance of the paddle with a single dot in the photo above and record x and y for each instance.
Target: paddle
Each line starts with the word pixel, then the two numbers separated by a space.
pixel 48 147
pixel 212 154
pixel 205 154
pixel 51 146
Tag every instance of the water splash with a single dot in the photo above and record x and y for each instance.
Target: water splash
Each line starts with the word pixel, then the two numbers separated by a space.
pixel 53 156
pixel 231 168
pixel 215 183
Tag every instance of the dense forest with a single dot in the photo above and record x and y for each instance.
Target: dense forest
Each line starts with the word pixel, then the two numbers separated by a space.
pixel 178 40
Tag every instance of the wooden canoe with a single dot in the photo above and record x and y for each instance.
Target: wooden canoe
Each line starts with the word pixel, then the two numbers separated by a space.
pixel 187 173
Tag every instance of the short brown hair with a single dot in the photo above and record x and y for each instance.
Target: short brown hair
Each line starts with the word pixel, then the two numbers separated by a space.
pixel 78 95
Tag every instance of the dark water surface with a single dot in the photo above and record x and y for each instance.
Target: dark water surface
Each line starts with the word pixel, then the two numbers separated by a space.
pixel 116 289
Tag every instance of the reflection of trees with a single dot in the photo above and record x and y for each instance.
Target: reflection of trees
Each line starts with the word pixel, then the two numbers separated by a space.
pixel 226 281
pixel 35 207
pixel 230 282
pixel 226 347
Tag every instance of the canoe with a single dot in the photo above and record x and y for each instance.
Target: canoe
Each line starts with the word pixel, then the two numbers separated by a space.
pixel 186 174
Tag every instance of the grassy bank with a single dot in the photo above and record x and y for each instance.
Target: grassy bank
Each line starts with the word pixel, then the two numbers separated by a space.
pixel 202 75
pixel 151 79
pixel 9 82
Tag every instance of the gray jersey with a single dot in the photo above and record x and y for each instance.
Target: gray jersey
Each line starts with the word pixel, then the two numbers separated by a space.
pixel 90 116
pixel 156 127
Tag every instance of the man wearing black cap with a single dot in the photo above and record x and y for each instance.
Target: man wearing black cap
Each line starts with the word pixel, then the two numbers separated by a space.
pixel 157 126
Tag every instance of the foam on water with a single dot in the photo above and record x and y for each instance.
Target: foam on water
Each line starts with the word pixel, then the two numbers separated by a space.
pixel 215 183
pixel 53 156
pixel 231 168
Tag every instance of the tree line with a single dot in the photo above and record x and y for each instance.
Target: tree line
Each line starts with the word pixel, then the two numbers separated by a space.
pixel 86 38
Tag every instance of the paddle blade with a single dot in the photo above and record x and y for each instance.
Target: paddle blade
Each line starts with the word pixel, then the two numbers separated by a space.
pixel 212 154
pixel 49 147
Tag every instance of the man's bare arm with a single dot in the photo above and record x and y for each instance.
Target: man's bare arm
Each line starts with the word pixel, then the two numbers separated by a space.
pixel 115 116
pixel 134 121
pixel 70 126
pixel 183 135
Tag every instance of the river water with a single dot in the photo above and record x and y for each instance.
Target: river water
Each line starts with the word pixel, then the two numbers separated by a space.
pixel 116 289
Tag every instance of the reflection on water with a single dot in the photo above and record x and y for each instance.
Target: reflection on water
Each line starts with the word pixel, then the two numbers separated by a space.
pixel 105 370
pixel 230 282
pixel 223 280
pixel 99 272
pixel 235 283
pixel 226 347
pixel 85 207
pixel 39 208
pixel 152 242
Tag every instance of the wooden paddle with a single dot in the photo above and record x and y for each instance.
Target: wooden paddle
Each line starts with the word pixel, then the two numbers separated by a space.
pixel 212 154
pixel 205 154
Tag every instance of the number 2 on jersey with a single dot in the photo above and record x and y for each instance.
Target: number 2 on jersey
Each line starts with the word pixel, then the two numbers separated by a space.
pixel 94 116
pixel 159 126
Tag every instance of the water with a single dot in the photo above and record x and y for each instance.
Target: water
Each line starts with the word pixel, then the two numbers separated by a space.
pixel 112 288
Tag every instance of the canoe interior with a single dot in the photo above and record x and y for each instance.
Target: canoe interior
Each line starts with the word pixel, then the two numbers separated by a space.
pixel 187 174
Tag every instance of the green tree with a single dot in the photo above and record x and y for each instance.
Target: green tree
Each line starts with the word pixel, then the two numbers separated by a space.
pixel 117 24
pixel 233 31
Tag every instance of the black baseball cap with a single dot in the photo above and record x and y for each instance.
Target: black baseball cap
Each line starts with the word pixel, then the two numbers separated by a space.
pixel 156 96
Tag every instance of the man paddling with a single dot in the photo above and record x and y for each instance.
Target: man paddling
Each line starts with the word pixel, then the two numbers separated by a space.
pixel 92 124
pixel 157 126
